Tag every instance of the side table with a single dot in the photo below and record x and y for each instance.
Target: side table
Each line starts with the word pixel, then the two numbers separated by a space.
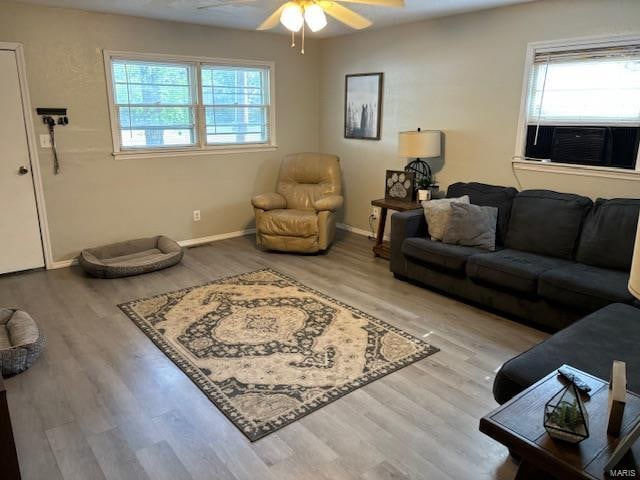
pixel 518 425
pixel 381 248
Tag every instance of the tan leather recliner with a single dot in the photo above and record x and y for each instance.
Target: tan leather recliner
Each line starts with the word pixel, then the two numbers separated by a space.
pixel 300 216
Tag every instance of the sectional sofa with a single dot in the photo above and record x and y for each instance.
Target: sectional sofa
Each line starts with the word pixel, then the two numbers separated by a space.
pixel 559 257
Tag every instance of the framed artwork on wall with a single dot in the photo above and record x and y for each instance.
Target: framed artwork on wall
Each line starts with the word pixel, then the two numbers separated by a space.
pixel 363 106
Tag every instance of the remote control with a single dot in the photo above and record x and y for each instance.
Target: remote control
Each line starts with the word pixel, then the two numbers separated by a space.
pixel 575 379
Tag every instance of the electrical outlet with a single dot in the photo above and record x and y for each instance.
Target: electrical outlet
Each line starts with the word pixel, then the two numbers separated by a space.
pixel 45 141
pixel 375 212
pixel 196 215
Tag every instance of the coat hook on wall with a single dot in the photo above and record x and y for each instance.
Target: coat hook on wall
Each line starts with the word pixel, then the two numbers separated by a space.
pixel 52 117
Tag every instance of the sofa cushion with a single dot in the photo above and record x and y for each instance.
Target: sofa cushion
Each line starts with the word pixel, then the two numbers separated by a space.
pixel 546 222
pixel 511 269
pixel 591 345
pixel 472 226
pixel 488 196
pixel 584 287
pixel 450 257
pixel 608 234
pixel 437 214
pixel 291 222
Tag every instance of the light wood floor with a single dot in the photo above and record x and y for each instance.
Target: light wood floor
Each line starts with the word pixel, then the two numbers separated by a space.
pixel 104 403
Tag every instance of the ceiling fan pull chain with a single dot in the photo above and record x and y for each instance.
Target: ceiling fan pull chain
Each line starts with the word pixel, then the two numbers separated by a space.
pixel 302 52
pixel 293 39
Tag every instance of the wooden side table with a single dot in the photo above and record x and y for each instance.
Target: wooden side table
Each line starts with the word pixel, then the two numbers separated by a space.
pixel 518 425
pixel 382 248
pixel 8 457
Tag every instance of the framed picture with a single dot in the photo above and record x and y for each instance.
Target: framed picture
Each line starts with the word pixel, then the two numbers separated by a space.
pixel 363 106
pixel 399 185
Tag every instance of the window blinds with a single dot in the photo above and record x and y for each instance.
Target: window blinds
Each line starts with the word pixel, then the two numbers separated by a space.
pixel 588 86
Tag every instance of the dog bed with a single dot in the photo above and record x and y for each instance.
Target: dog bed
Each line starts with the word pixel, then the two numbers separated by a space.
pixel 20 341
pixel 132 257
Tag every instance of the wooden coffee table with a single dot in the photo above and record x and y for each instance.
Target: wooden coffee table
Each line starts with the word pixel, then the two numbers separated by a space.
pixel 518 424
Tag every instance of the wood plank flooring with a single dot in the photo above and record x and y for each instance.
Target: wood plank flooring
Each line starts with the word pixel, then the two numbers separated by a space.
pixel 104 403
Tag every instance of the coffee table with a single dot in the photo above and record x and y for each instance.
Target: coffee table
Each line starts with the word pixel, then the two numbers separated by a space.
pixel 518 425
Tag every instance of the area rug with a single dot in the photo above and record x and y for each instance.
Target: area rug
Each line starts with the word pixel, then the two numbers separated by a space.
pixel 268 350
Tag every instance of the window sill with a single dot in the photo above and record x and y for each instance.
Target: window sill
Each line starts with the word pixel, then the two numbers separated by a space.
pixel 136 154
pixel 581 170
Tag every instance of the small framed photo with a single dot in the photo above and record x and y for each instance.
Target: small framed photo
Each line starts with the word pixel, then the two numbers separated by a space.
pixel 399 185
pixel 363 106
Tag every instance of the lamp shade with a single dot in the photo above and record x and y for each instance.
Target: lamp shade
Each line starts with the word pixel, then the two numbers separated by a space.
pixel 291 17
pixel 634 278
pixel 419 144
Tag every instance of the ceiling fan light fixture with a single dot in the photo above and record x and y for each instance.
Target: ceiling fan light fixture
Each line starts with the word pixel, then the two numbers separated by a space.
pixel 292 17
pixel 315 17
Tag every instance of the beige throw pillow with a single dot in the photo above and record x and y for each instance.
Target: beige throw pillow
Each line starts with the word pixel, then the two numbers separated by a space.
pixel 437 213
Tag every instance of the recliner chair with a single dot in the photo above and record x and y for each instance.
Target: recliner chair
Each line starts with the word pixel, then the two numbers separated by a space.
pixel 300 215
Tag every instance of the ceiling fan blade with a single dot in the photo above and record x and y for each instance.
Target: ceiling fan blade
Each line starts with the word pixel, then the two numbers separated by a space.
pixel 347 16
pixel 225 4
pixel 377 3
pixel 273 19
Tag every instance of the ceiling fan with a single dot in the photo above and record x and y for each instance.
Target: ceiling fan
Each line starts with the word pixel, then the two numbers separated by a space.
pixel 295 15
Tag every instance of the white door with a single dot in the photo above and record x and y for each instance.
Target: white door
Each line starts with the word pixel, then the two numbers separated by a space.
pixel 20 242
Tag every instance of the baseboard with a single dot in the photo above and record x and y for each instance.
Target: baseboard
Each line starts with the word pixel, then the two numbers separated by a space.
pixel 62 264
pixel 357 231
pixel 192 242
pixel 214 238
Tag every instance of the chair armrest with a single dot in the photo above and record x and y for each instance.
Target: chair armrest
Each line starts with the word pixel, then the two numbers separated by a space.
pixel 269 201
pixel 329 203
pixel 404 225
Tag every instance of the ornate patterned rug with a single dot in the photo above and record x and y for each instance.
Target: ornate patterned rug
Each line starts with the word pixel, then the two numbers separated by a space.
pixel 268 350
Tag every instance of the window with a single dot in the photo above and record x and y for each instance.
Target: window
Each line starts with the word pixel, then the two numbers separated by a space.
pixel 582 104
pixel 174 105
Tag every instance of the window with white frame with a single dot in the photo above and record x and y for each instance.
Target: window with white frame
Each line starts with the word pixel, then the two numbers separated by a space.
pixel 582 104
pixel 164 104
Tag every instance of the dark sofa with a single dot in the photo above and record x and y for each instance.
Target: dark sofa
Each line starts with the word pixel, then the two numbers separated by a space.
pixel 559 256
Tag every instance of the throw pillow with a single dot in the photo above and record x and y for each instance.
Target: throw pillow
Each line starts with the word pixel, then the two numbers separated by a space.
pixel 437 213
pixel 472 226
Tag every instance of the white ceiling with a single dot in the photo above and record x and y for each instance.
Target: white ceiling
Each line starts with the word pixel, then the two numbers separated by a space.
pixel 247 14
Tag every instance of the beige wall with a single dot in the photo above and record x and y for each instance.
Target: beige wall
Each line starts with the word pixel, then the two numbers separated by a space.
pixel 463 75
pixel 97 199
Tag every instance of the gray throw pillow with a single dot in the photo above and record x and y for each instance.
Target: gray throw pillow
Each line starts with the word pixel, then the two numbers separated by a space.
pixel 437 213
pixel 472 226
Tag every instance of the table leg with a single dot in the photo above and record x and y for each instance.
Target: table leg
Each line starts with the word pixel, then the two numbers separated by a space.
pixel 382 221
pixel 527 471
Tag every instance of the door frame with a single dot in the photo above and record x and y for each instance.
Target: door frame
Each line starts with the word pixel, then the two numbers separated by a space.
pixel 33 151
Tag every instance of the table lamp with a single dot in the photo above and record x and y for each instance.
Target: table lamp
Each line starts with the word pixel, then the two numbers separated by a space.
pixel 420 144
pixel 634 278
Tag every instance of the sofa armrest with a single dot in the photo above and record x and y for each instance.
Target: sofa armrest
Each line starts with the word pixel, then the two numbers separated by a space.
pixel 269 201
pixel 329 203
pixel 404 225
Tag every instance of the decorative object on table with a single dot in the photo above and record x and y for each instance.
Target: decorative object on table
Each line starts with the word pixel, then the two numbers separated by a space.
pixel 565 417
pixel 363 106
pixel 424 195
pixel 267 350
pixel 437 214
pixel 634 277
pixel 471 226
pixel 381 247
pixel 623 447
pixel 617 397
pixel 21 341
pixel 399 185
pixel 420 144
pixel 132 257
